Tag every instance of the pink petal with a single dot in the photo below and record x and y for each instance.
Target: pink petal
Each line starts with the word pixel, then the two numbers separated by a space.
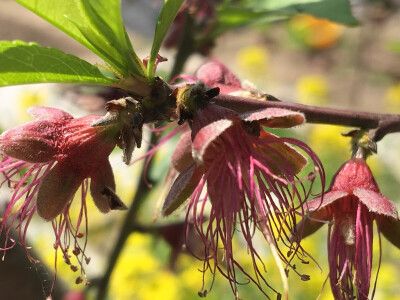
pixel 329 198
pixel 159 59
pixel 34 142
pixel 354 173
pixel 74 295
pixel 182 157
pixel 212 113
pixel 206 135
pixel 390 229
pixel 58 187
pixel 181 189
pixel 289 155
pixel 86 146
pixel 102 189
pixel 275 117
pixel 310 224
pixel 215 74
pixel 376 202
pixel 48 113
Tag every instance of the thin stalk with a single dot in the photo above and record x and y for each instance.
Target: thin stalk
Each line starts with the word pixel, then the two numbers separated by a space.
pixel 186 47
pixel 127 228
pixel 381 123
pixel 271 242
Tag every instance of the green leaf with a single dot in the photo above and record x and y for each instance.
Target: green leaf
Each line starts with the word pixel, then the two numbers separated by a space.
pixel 96 24
pixel 23 63
pixel 164 21
pixel 243 13
pixel 233 17
pixel 334 10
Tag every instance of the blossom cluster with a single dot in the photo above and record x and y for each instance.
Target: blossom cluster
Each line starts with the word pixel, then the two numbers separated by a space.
pixel 234 175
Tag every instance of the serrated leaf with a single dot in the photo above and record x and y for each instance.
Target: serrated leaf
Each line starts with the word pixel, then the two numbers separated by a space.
pixel 96 24
pixel 23 63
pixel 164 21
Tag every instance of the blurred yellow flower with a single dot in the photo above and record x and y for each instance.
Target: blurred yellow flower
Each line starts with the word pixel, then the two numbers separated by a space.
pixel 312 90
pixel 393 94
pixel 327 139
pixel 47 256
pixel 392 98
pixel 253 60
pixel 30 98
pixel 140 275
pixel 315 33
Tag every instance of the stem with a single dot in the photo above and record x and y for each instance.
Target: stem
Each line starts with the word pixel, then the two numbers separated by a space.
pixel 186 47
pixel 267 234
pixel 126 229
pixel 383 123
pixel 384 127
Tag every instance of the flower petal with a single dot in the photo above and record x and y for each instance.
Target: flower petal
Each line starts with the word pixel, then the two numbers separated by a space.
pixel 354 173
pixel 102 187
pixel 376 202
pixel 216 74
pixel 329 198
pixel 58 187
pixel 212 113
pixel 310 224
pixel 181 189
pixel 206 135
pixel 274 117
pixel 182 157
pixel 287 154
pixel 48 113
pixel 34 142
pixel 390 229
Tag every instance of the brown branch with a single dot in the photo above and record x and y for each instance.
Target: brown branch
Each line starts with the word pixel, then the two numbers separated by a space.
pixel 382 123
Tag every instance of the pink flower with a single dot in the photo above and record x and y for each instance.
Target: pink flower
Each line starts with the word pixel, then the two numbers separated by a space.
pixel 214 74
pixel 250 178
pixel 45 161
pixel 353 202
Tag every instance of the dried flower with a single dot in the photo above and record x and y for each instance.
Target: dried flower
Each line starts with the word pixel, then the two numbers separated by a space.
pixel 353 202
pixel 54 156
pixel 250 180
